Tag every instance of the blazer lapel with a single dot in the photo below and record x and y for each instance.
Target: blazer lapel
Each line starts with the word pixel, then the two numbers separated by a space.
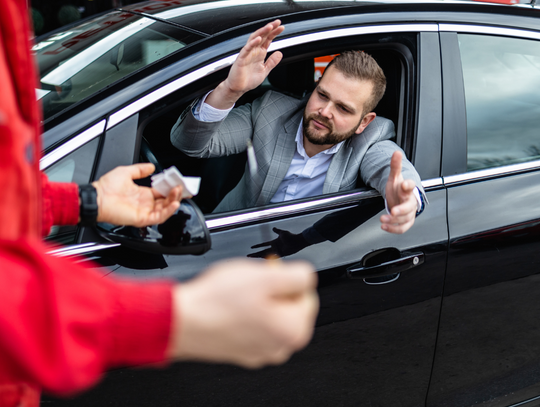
pixel 281 159
pixel 337 169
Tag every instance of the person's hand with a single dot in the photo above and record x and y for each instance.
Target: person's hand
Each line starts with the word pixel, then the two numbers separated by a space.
pixel 246 312
pixel 250 68
pixel 122 202
pixel 400 198
pixel 285 244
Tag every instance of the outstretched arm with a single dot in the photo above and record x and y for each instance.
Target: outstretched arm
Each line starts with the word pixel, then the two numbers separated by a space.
pixel 122 202
pixel 400 198
pixel 250 68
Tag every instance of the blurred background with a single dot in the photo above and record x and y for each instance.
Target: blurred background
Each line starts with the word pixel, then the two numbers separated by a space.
pixel 48 15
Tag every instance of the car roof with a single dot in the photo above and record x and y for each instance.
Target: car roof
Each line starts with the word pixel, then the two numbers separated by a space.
pixel 212 17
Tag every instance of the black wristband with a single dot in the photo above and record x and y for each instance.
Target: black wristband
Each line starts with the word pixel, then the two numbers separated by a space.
pixel 88 211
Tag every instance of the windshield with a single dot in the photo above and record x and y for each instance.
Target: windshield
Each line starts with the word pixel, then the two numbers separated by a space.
pixel 81 61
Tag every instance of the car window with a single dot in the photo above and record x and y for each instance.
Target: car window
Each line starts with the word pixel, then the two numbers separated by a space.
pixel 75 167
pixel 502 78
pixel 79 62
pixel 295 76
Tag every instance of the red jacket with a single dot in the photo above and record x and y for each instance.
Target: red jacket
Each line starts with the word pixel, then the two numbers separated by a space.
pixel 61 323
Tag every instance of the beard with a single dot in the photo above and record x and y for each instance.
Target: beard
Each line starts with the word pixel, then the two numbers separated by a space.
pixel 330 137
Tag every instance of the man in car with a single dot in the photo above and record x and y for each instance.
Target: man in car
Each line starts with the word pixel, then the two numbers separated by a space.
pixel 308 147
pixel 62 322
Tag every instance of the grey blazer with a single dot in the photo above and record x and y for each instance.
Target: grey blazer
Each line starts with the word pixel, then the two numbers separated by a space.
pixel 271 122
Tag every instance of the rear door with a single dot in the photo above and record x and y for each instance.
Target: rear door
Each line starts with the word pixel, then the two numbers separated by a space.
pixel 489 344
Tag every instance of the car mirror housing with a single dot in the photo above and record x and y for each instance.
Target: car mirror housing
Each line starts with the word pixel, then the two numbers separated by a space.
pixel 185 232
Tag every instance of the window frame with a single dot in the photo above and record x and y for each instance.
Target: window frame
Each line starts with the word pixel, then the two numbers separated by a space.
pixel 405 125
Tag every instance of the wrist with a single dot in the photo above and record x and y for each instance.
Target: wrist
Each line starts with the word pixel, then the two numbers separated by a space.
pixel 223 97
pixel 88 205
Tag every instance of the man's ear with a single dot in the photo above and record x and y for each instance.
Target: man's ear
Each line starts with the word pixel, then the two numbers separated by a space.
pixel 368 118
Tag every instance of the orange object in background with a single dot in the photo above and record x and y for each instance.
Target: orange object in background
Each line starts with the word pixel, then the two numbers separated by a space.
pixel 320 65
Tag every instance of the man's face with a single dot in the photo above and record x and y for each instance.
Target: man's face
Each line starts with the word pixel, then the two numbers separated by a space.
pixel 334 111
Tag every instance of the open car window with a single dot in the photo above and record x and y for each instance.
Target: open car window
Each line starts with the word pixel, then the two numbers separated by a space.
pixel 295 76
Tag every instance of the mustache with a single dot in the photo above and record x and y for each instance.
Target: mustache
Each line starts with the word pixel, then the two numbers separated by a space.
pixel 320 119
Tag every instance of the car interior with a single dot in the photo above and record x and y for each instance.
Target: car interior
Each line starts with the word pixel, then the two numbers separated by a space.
pixel 294 76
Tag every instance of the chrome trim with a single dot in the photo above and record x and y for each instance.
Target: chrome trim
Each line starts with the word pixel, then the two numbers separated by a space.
pixel 479 29
pixel 287 210
pixel 154 96
pixel 491 172
pixel 72 145
pixel 235 220
pixel 78 249
pixel 343 32
pixel 433 182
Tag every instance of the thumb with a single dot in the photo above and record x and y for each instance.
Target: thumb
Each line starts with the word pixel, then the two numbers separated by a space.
pixel 272 61
pixel 141 170
pixel 395 165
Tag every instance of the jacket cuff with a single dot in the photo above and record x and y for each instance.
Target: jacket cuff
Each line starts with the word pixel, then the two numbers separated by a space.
pixel 60 204
pixel 141 323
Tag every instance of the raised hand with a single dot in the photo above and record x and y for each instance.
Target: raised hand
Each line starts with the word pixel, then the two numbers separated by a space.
pixel 122 202
pixel 250 68
pixel 400 198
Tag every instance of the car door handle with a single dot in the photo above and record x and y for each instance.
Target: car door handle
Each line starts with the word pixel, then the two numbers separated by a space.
pixel 389 267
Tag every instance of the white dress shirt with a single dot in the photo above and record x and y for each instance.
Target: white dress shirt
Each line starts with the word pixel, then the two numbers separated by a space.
pixel 306 175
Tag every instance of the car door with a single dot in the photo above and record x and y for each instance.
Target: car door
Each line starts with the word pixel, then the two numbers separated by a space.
pixel 380 293
pixel 488 347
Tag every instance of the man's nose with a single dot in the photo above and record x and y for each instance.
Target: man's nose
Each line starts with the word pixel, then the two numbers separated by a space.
pixel 325 110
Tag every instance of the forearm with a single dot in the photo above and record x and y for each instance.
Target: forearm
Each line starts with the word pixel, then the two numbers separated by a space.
pixel 60 204
pixel 70 323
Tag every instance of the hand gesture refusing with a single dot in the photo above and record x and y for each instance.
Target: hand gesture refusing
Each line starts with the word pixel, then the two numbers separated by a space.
pixel 250 68
pixel 400 198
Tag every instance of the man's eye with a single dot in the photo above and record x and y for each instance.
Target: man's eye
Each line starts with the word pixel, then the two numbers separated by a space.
pixel 322 96
pixel 344 109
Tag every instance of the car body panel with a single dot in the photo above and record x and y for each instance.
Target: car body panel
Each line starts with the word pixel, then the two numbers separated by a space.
pixel 408 339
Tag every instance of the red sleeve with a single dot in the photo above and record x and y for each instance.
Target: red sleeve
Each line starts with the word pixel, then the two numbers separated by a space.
pixel 60 204
pixel 62 324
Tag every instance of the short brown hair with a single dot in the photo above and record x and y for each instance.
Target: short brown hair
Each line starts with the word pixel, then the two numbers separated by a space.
pixel 362 66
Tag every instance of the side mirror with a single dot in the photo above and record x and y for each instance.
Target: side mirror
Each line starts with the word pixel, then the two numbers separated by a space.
pixel 183 233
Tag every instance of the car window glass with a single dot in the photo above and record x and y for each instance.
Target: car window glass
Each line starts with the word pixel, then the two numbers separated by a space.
pixel 78 63
pixel 502 78
pixel 75 167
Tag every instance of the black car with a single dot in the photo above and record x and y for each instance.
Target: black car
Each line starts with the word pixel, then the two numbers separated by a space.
pixel 447 314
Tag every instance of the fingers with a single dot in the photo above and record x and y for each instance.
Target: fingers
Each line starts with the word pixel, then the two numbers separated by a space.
pixel 294 314
pixel 277 29
pixel 395 166
pixel 259 245
pixel 272 61
pixel 398 229
pixel 141 170
pixel 175 194
pixel 261 255
pixel 264 36
pixel 160 216
pixel 401 217
pixel 296 279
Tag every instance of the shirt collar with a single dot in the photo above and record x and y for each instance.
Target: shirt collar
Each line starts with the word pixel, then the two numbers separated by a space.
pixel 300 144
